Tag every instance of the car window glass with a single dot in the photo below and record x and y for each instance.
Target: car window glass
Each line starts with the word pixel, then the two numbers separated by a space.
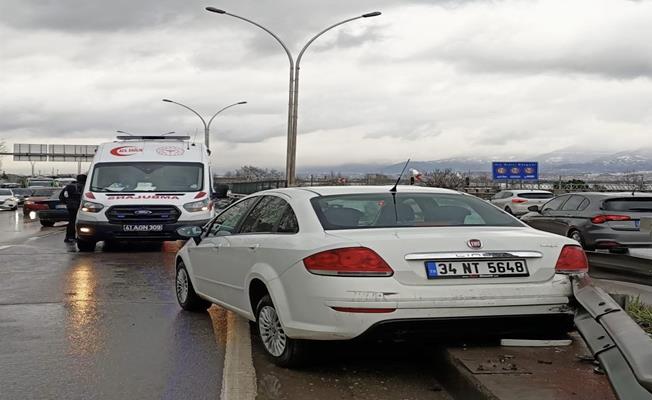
pixel 583 204
pixel 288 223
pixel 573 203
pixel 536 195
pixel 633 204
pixel 499 195
pixel 265 216
pixel 382 210
pixel 229 219
pixel 554 204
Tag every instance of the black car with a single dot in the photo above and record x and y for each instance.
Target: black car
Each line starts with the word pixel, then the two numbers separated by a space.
pixel 596 220
pixel 51 210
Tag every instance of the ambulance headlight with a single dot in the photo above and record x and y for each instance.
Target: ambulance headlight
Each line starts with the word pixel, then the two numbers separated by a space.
pixel 201 205
pixel 89 206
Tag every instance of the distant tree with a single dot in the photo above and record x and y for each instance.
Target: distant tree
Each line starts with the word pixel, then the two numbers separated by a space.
pixel 4 176
pixel 446 178
pixel 251 173
pixel 573 184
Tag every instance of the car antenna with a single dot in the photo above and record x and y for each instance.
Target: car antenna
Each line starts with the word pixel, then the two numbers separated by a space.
pixel 393 190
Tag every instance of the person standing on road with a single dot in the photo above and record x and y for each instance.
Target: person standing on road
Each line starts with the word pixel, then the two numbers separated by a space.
pixel 71 195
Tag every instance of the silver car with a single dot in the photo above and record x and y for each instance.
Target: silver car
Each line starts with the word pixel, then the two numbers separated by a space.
pixel 516 202
pixel 596 220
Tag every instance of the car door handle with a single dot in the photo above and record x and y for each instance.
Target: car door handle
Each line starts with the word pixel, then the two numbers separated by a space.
pixel 253 246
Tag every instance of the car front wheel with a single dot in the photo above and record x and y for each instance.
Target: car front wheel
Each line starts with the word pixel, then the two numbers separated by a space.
pixel 186 295
pixel 282 350
pixel 47 223
pixel 85 246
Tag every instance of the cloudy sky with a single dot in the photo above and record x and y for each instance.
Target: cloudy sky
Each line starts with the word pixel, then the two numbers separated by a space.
pixel 426 80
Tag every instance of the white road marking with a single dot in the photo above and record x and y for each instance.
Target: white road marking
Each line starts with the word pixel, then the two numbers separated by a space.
pixel 239 376
pixel 6 247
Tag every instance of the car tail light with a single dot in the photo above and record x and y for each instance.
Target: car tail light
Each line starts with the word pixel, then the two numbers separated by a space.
pixel 348 261
pixel 89 195
pixel 572 259
pixel 36 206
pixel 601 219
pixel 519 201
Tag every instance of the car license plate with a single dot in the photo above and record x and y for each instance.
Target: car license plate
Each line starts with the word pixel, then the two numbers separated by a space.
pixel 476 269
pixel 142 228
pixel 60 206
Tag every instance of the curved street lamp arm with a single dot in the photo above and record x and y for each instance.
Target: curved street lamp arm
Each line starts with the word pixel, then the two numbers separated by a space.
pixel 287 51
pixel 188 108
pixel 222 109
pixel 321 33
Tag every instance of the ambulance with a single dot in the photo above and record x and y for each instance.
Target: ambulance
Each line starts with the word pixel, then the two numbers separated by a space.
pixel 144 188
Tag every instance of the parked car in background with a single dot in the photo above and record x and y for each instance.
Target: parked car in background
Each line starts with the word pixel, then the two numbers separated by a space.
pixel 51 210
pixel 516 202
pixel 22 194
pixel 596 220
pixel 31 205
pixel 7 200
pixel 334 263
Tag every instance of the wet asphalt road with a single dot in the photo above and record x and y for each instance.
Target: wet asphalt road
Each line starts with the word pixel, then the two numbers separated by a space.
pixel 102 325
pixel 106 325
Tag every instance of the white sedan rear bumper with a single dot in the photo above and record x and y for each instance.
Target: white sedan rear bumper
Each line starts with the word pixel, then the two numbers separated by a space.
pixel 306 302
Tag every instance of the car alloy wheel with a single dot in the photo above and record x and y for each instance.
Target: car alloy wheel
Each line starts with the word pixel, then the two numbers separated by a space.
pixel 182 285
pixel 271 331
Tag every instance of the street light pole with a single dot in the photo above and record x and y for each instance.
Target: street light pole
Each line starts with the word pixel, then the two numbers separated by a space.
pixel 290 94
pixel 290 162
pixel 207 126
pixel 295 111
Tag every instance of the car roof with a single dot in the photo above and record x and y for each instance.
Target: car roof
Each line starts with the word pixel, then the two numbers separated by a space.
pixel 613 194
pixel 527 191
pixel 340 190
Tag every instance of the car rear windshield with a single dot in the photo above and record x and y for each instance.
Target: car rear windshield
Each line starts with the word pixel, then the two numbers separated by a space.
pixel 634 204
pixel 43 192
pixel 22 192
pixel 5 192
pixel 536 195
pixel 382 210
pixel 148 177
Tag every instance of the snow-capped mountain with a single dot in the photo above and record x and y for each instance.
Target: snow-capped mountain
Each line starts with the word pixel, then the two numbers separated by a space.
pixel 565 161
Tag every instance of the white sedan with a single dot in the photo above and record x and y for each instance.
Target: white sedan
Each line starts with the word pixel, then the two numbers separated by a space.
pixel 334 263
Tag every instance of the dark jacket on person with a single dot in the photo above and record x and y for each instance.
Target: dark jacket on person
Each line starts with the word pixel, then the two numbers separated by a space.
pixel 71 195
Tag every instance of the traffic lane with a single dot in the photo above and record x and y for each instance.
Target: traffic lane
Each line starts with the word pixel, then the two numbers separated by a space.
pixel 15 228
pixel 101 325
pixel 353 370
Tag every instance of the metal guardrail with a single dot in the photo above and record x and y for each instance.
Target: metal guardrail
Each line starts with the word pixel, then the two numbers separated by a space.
pixel 622 267
pixel 622 347
pixel 255 186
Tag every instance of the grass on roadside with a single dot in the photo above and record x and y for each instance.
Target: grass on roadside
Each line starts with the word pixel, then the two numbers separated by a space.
pixel 641 313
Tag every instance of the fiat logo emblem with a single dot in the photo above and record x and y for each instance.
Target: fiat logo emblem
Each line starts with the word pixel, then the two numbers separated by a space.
pixel 474 244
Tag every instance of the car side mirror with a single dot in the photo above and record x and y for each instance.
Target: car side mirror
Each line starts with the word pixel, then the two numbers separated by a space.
pixel 534 208
pixel 223 233
pixel 190 231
